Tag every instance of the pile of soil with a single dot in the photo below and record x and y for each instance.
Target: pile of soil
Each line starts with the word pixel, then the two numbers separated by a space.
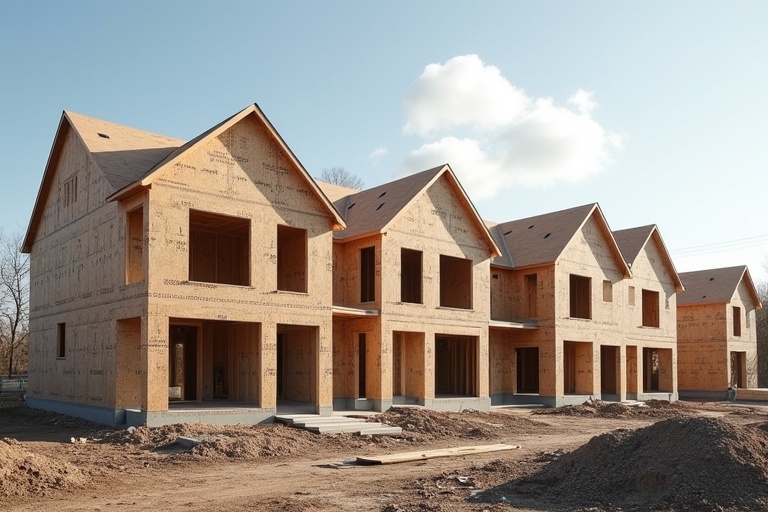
pixel 23 473
pixel 420 424
pixel 220 442
pixel 700 463
pixel 656 409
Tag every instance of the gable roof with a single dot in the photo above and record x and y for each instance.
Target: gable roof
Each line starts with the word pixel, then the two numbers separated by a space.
pixel 120 152
pixel 715 286
pixel 130 158
pixel 632 240
pixel 540 240
pixel 215 131
pixel 373 210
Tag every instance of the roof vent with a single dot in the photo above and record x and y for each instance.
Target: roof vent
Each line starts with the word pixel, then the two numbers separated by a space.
pixel 530 227
pixel 102 135
pixel 379 208
pixel 711 278
pixel 382 194
pixel 547 235
pixel 507 232
pixel 350 206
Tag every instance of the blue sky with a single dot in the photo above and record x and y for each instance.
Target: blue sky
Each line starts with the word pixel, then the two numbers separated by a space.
pixel 656 110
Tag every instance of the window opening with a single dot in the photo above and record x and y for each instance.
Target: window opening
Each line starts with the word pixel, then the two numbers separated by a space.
pixel 291 259
pixel 219 249
pixel 455 282
pixel 410 276
pixel 368 274
pixel 580 296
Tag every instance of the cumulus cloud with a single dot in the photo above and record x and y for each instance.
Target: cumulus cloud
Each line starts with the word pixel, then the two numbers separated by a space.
pixel 496 136
pixel 378 153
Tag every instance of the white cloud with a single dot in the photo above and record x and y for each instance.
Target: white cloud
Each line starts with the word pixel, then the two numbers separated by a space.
pixel 507 138
pixel 378 153
pixel 462 92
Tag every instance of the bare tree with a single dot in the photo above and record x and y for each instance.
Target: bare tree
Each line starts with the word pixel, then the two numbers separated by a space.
pixel 761 321
pixel 14 303
pixel 340 176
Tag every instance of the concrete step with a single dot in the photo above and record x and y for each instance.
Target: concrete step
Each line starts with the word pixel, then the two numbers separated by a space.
pixel 336 424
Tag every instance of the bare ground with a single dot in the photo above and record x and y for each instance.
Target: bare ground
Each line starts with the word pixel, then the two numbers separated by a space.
pixel 597 457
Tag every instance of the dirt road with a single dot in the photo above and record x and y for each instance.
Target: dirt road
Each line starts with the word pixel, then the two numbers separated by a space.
pixel 280 468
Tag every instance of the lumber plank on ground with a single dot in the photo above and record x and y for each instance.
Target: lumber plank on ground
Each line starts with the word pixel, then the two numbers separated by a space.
pixel 396 458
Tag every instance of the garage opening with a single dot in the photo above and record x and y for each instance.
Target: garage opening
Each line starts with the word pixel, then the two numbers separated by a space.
pixel 456 366
pixel 219 248
pixel 527 369
pixel 297 382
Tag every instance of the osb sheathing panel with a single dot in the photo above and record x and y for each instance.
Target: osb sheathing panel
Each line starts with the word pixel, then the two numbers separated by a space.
pixel 345 356
pixel 648 273
pixel 705 340
pixel 436 224
pixel 242 173
pixel 346 272
pixel 588 254
pixel 77 278
pixel 543 338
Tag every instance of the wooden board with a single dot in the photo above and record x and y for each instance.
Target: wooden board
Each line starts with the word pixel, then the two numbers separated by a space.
pixel 433 454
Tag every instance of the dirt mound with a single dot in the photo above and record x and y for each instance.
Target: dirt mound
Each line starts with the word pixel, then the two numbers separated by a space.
pixel 426 425
pixel 597 408
pixel 676 464
pixel 23 473
pixel 221 442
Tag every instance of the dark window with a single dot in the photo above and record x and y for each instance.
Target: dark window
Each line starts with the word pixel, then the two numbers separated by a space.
pixel 219 248
pixel 134 263
pixel 61 340
pixel 291 259
pixel 580 297
pixel 368 274
pixel 361 365
pixel 736 321
pixel 410 276
pixel 455 282
pixel 650 308
pixel 531 285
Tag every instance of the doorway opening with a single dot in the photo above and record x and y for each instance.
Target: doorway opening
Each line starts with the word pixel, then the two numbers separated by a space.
pixel 527 369
pixel 456 365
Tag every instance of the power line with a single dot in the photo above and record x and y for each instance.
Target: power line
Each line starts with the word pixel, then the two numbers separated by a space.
pixel 730 245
